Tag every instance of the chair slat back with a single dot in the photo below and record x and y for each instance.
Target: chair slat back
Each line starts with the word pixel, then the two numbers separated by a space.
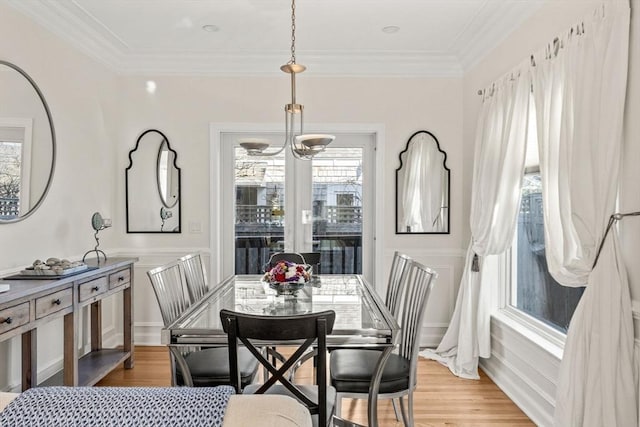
pixel 396 280
pixel 195 275
pixel 168 286
pixel 311 328
pixel 420 280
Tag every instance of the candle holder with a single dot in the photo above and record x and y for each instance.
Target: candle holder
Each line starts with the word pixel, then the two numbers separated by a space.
pixel 165 214
pixel 98 223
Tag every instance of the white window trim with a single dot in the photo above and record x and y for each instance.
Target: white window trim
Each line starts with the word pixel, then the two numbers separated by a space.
pixel 543 335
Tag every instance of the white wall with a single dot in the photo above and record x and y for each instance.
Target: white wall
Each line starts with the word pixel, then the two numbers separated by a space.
pixel 521 367
pixel 98 117
pixel 77 91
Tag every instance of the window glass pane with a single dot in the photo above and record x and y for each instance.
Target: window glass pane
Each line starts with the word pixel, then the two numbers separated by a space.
pixel 536 292
pixel 259 224
pixel 337 209
pixel 10 182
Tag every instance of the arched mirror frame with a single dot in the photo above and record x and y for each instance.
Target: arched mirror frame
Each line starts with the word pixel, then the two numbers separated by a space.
pixel 175 164
pixel 444 165
pixel 53 144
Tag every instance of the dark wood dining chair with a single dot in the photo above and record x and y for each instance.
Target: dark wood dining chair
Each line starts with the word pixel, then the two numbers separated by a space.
pixel 352 370
pixel 302 331
pixel 193 366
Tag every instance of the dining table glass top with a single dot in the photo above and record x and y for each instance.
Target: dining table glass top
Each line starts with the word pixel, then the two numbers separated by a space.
pixel 361 316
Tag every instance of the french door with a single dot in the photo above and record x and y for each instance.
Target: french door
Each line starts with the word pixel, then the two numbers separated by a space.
pixel 279 203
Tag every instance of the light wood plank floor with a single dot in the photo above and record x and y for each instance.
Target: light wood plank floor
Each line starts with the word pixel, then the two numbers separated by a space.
pixel 441 399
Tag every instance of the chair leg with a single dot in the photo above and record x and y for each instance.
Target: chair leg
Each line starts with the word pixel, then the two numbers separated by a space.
pixel 411 408
pixel 395 409
pixel 405 418
pixel 338 406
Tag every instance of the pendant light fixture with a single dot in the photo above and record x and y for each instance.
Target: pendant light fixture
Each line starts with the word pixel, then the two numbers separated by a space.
pixel 303 146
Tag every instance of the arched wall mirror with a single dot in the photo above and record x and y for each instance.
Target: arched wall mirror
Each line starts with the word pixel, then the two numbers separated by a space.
pixel 27 144
pixel 422 187
pixel 153 186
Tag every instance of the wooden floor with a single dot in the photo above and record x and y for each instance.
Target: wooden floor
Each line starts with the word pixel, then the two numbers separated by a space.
pixel 440 400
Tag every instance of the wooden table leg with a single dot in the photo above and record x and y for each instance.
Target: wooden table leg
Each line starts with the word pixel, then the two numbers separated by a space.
pixel 70 364
pixel 96 326
pixel 29 359
pixel 127 303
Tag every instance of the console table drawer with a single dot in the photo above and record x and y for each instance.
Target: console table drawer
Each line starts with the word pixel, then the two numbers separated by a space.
pixel 53 302
pixel 13 317
pixel 92 288
pixel 119 278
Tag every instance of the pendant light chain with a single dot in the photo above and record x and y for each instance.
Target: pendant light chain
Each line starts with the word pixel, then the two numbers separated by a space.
pixel 293 32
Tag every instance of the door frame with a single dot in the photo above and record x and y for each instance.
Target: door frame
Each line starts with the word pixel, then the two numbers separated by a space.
pixel 221 257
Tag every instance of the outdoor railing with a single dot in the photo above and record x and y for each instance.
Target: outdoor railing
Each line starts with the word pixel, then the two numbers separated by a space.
pixel 339 254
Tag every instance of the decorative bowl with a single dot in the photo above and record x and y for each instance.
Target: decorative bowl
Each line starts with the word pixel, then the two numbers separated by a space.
pixel 287 288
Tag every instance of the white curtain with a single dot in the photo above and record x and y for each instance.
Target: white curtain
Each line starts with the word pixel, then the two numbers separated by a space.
pixel 579 89
pixel 497 176
pixel 424 187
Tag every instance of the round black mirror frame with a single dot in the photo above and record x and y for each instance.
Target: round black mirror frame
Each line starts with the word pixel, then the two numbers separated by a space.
pixel 53 143
pixel 444 165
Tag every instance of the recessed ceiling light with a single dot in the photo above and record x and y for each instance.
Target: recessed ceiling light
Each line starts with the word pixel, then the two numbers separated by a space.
pixel 151 86
pixel 390 29
pixel 210 28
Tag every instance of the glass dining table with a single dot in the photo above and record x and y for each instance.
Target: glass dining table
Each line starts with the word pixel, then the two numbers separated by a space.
pixel 362 319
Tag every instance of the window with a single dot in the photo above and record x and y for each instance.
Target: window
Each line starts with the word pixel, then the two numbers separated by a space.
pixel 533 290
pixel 15 167
pixel 272 204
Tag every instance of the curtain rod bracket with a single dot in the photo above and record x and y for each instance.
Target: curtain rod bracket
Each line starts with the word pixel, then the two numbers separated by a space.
pixel 613 218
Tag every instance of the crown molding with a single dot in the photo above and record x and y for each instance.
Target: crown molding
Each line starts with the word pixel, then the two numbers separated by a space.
pixel 345 64
pixel 485 31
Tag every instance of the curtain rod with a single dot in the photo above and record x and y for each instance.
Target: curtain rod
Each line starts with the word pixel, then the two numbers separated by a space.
pixel 556 44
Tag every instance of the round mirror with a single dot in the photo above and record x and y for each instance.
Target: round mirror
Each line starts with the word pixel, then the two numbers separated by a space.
pixel 167 173
pixel 27 144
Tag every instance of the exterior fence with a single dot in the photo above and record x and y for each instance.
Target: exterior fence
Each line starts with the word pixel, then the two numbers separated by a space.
pixel 9 207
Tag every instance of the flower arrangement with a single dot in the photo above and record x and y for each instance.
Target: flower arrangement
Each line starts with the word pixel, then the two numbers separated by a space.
pixel 287 272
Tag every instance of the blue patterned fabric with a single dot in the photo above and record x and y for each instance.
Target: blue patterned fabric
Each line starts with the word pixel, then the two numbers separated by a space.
pixel 118 407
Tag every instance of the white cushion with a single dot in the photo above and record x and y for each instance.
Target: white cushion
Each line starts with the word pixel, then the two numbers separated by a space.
pixel 265 411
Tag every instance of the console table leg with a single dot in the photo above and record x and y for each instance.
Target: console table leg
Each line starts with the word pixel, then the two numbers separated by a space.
pixel 70 350
pixel 29 359
pixel 96 326
pixel 127 303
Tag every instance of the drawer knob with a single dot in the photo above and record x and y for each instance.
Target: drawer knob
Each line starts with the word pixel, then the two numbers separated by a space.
pixel 57 301
pixel 7 320
pixel 120 278
pixel 95 288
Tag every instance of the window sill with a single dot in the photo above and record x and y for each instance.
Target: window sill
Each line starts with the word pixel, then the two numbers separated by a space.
pixel 533 330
